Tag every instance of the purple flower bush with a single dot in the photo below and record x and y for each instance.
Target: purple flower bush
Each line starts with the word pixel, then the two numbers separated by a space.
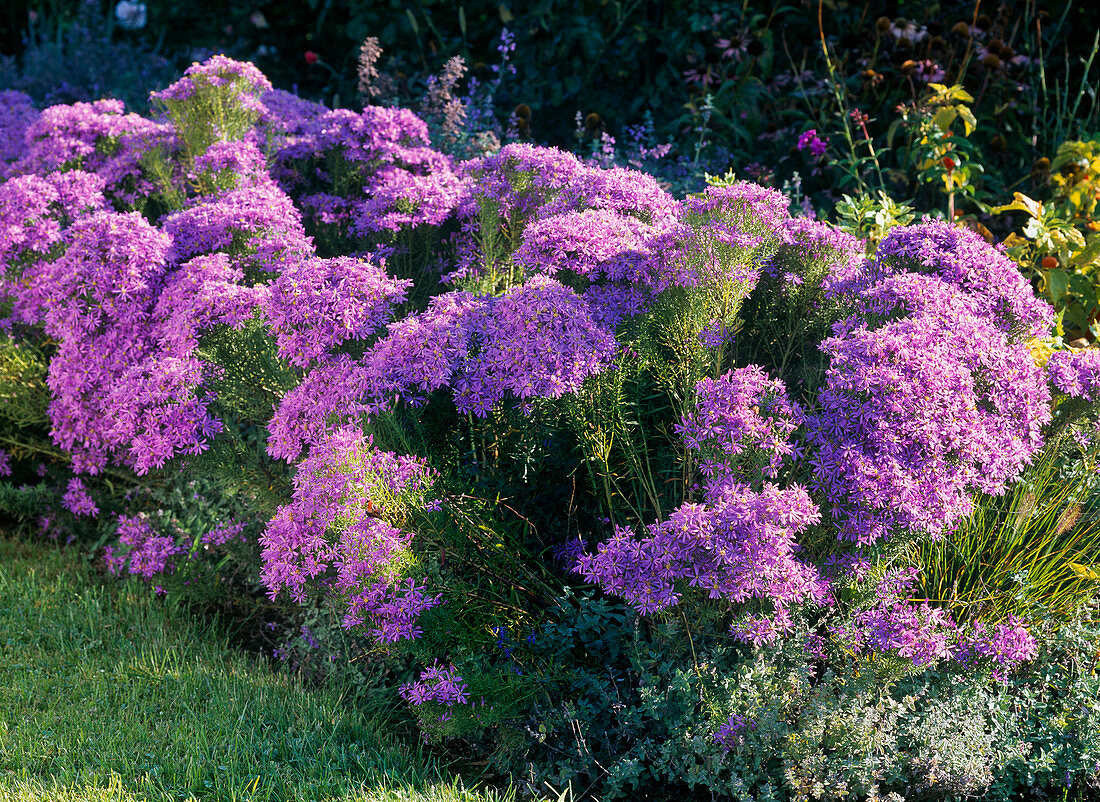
pixel 919 413
pixel 142 551
pixel 336 523
pixel 423 375
pixel 99 138
pixel 369 174
pixel 437 684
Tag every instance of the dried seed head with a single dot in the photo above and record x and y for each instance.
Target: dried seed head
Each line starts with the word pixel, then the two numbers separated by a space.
pixel 1023 513
pixel 1070 516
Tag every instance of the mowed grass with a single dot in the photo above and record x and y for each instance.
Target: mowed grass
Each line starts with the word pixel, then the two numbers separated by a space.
pixel 108 694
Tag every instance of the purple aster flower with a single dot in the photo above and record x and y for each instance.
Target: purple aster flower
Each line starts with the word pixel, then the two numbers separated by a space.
pixel 335 527
pixel 440 684
pixel 77 501
pixel 1076 373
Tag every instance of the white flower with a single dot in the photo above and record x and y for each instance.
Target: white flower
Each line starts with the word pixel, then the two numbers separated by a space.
pixel 130 15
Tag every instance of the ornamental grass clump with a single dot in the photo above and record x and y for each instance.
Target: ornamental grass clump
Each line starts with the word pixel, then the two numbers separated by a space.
pixel 619 487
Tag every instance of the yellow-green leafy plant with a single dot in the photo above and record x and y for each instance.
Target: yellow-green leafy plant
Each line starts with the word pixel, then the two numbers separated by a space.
pixel 940 154
pixel 1060 245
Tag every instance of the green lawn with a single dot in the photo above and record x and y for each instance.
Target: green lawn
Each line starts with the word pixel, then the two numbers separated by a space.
pixel 108 694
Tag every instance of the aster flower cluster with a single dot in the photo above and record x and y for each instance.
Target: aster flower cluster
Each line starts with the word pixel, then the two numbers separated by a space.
pixel 895 623
pixel 536 341
pixel 922 410
pixel 229 164
pixel 739 546
pixel 810 139
pixel 336 525
pixel 1076 373
pixel 735 227
pixel 381 164
pixel 223 533
pixel 440 684
pixel 815 263
pixel 1004 644
pixel 522 184
pixel 731 733
pixel 34 212
pixel 144 553
pixel 317 304
pixel 285 115
pixel 241 84
pixel 98 138
pixel 77 501
pixel 97 296
pixel 259 223
pixel 985 274
pixel 742 424
pixel 126 380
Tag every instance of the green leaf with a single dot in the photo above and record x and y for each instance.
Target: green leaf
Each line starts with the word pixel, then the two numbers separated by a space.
pixel 1087 255
pixel 1084 289
pixel 969 121
pixel 944 117
pixel 1022 203
pixel 891 132
pixel 1057 284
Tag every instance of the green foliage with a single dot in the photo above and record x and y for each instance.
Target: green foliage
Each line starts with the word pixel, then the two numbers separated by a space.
pixel 24 395
pixel 1038 729
pixel 939 154
pixel 639 715
pixel 25 501
pixel 252 379
pixel 1060 246
pixel 212 112
pixel 871 217
pixel 1026 553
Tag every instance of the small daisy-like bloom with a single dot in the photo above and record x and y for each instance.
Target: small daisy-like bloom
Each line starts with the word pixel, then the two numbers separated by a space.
pixel 734 47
